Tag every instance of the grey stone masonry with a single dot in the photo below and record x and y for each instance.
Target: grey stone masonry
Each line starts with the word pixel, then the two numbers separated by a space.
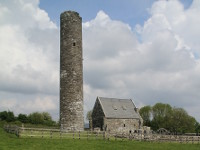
pixel 71 72
pixel 115 115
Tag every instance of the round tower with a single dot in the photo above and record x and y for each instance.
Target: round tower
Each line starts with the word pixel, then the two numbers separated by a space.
pixel 71 72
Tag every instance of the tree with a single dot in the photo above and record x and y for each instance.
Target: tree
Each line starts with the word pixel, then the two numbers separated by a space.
pixel 190 125
pixel 161 116
pixel 47 116
pixel 145 113
pixel 23 118
pixel 48 119
pixel 11 116
pixel 7 116
pixel 3 115
pixel 197 128
pixel 181 122
pixel 41 118
pixel 36 118
pixel 89 118
pixel 176 120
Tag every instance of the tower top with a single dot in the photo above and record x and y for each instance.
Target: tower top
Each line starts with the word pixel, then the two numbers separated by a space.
pixel 70 13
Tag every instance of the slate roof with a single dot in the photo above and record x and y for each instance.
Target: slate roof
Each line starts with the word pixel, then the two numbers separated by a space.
pixel 118 108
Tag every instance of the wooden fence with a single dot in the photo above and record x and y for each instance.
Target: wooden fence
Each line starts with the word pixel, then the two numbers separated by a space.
pixel 12 129
pixel 57 133
pixel 53 133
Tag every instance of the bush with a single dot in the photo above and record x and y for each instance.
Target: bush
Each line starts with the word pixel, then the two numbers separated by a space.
pixel 43 118
pixel 7 116
pixel 23 118
pixel 36 118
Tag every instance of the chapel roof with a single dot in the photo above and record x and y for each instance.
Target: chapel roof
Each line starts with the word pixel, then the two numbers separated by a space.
pixel 118 108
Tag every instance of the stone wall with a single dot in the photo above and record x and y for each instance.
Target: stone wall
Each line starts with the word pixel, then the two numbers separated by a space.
pixel 113 125
pixel 121 125
pixel 71 71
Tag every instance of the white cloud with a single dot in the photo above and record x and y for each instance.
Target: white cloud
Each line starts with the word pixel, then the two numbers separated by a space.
pixel 29 57
pixel 183 22
pixel 159 64
pixel 160 67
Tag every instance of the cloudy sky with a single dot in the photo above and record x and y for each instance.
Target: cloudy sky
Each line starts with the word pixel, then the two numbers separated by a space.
pixel 145 50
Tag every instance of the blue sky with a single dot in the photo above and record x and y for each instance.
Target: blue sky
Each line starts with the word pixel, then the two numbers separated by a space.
pixel 146 50
pixel 129 11
pixel 118 10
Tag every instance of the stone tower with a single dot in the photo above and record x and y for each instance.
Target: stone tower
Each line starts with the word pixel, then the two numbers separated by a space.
pixel 71 72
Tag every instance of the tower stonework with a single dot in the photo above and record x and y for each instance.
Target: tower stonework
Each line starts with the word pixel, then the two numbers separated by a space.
pixel 71 72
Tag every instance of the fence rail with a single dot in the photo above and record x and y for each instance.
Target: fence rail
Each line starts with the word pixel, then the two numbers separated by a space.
pixel 57 133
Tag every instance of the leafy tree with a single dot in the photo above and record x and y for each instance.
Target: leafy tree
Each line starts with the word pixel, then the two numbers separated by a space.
pixel 36 118
pixel 3 115
pixel 197 128
pixel 41 118
pixel 181 122
pixel 23 118
pixel 11 116
pixel 190 125
pixel 161 116
pixel 7 116
pixel 48 119
pixel 47 116
pixel 145 113
pixel 176 120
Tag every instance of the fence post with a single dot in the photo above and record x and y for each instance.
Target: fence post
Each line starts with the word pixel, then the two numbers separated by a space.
pixel 8 128
pixel 60 134
pixel 87 135
pixel 22 127
pixel 17 130
pixel 104 135
pixel 51 133
pixel 79 135
pixel 31 133
pixel 108 136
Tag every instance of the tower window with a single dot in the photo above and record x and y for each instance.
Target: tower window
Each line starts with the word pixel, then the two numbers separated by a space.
pixel 74 44
pixel 124 125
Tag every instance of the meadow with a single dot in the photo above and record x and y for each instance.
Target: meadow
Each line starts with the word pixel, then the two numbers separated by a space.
pixel 10 142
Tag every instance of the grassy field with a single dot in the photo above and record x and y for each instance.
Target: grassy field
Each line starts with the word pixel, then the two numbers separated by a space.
pixel 10 142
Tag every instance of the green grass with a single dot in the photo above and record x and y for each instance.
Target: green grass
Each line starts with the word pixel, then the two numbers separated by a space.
pixel 10 142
